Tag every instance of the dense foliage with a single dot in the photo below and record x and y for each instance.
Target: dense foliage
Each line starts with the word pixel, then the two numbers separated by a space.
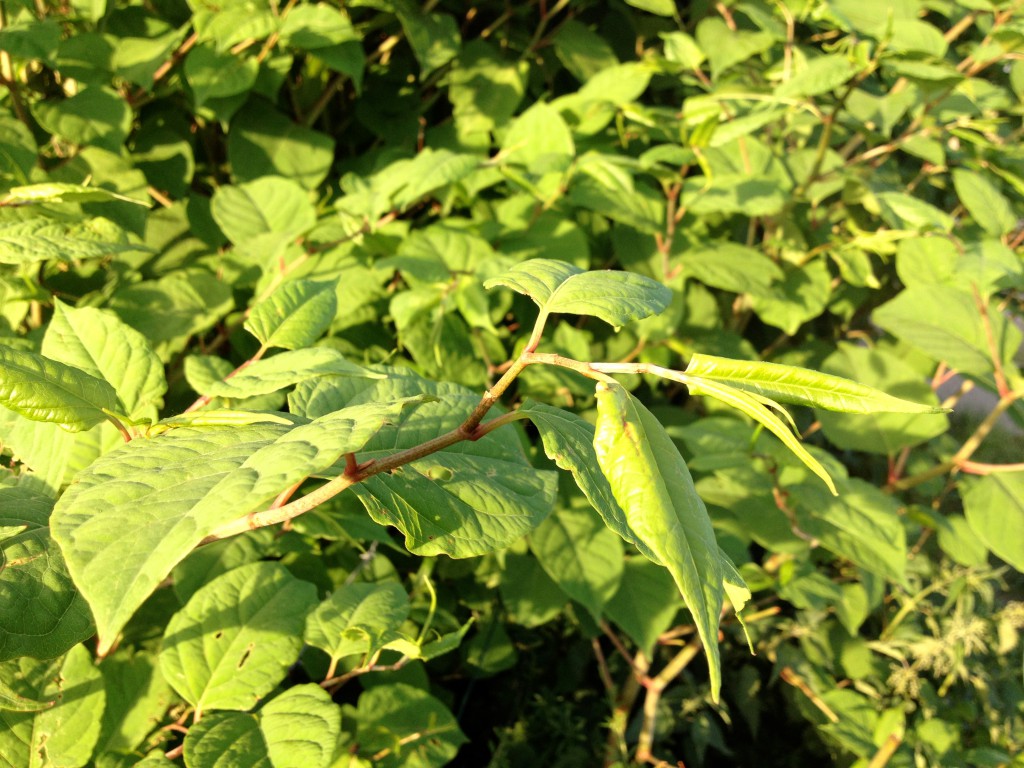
pixel 397 384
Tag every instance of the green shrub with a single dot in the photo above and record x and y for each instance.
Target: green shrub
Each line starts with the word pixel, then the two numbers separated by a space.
pixel 396 384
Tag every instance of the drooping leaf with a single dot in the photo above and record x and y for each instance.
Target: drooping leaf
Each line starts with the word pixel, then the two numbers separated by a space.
pixel 615 297
pixel 654 488
pixel 298 729
pixel 295 315
pixel 884 433
pixel 569 441
pixel 801 386
pixel 358 619
pixel 174 490
pixel 754 406
pixel 41 389
pixel 236 637
pixel 41 612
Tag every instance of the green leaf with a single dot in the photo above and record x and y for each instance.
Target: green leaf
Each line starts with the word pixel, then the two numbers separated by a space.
pixel 994 506
pixel 755 407
pixel 403 726
pixel 41 612
pixel 234 640
pixel 434 37
pixel 174 490
pixel 820 75
pixel 169 310
pixel 654 488
pixel 63 735
pixel 802 295
pixel 540 140
pixel 94 116
pixel 615 297
pixel 801 386
pixel 582 555
pixel 983 200
pixel 46 390
pixel 645 603
pixel 267 205
pixel 137 698
pixel 270 374
pixel 298 729
pixel 945 323
pixel 569 441
pixel 216 74
pixel 358 619
pixel 42 238
pixel 881 432
pixel 863 526
pixel 295 315
pixel 98 342
pixel 264 142
pixel 731 267
pixel 484 88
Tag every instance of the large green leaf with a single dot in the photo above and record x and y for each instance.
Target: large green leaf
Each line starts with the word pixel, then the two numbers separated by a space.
pixel 268 205
pixel 358 619
pixel 801 386
pixel 581 554
pixel 654 488
pixel 265 142
pixel 236 637
pixel 273 373
pixel 174 490
pixel 64 734
pixel 41 611
pixel 403 726
pixel 298 729
pixel 994 506
pixel 731 267
pixel 42 238
pixel 946 324
pixel 41 389
pixel 615 297
pixel 295 315
pixel 645 603
pixel 170 309
pixel 98 342
pixel 862 525
pixel 137 698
